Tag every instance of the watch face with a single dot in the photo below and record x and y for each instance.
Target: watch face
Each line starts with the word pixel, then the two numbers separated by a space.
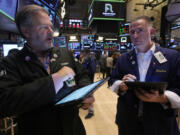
pixel 70 82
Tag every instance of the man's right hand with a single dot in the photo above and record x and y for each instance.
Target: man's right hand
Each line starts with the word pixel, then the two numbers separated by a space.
pixel 66 73
pixel 126 78
pixel 62 75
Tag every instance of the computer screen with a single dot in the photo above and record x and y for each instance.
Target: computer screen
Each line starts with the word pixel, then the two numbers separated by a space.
pixel 124 29
pixel 53 4
pixel 111 46
pixel 87 41
pixel 74 45
pixel 60 41
pixel 99 45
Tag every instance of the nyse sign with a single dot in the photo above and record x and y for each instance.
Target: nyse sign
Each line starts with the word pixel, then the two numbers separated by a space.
pixel 109 9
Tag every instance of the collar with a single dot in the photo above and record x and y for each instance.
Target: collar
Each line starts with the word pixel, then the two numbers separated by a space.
pixel 150 51
pixel 44 53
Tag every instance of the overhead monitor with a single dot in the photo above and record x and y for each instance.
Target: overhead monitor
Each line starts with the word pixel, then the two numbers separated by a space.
pixel 99 45
pixel 53 4
pixel 42 3
pixel 124 29
pixel 111 46
pixel 22 3
pixel 74 45
pixel 107 10
pixel 60 41
pixel 8 8
pixel 87 41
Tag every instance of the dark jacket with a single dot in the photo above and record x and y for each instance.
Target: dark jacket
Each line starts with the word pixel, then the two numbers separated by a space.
pixel 90 65
pixel 155 120
pixel 27 91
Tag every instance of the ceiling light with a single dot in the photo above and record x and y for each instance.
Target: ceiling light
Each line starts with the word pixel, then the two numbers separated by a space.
pixel 100 38
pixel 73 38
pixel 56 34
pixel 112 39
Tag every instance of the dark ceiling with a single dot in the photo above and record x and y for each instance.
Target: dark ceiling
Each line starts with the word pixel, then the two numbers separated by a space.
pixel 77 9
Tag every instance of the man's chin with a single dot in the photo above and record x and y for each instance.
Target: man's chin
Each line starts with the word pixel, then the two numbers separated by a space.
pixel 137 43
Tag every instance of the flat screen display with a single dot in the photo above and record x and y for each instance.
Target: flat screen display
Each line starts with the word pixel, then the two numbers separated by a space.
pixel 53 4
pixel 87 38
pixel 22 3
pixel 99 45
pixel 74 46
pixel 124 29
pixel 109 9
pixel 87 41
pixel 8 8
pixel 111 46
pixel 60 41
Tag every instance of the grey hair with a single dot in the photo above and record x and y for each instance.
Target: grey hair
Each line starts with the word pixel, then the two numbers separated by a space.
pixel 25 17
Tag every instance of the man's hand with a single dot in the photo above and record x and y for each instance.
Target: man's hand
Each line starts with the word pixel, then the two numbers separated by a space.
pixel 129 77
pixel 123 87
pixel 88 102
pixel 154 96
pixel 126 78
pixel 66 73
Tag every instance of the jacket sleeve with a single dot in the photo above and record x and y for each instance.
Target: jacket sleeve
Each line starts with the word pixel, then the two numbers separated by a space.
pixel 116 73
pixel 16 96
pixel 82 77
pixel 174 75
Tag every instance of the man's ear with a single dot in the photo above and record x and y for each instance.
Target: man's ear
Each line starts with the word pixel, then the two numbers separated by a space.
pixel 25 32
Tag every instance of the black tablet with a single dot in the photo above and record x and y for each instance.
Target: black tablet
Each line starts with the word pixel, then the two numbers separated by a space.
pixel 148 86
pixel 79 94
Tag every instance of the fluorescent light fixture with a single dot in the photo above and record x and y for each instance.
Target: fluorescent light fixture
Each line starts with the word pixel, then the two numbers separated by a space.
pixel 56 34
pixel 100 38
pixel 73 38
pixel 111 39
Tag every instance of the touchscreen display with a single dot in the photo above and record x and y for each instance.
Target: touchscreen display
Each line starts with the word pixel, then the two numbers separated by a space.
pixel 80 93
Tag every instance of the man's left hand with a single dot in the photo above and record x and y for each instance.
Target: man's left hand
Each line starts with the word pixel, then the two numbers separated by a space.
pixel 154 96
pixel 88 102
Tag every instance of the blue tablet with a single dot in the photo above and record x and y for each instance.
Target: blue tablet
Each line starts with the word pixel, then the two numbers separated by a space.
pixel 79 94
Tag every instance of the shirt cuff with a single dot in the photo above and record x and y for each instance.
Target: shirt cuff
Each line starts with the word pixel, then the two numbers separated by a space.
pixel 173 98
pixel 58 82
pixel 115 86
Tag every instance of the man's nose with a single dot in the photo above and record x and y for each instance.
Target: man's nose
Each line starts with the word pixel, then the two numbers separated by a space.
pixel 51 30
pixel 135 35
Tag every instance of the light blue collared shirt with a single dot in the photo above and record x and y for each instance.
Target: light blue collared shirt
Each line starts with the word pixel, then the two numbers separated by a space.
pixel 144 60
